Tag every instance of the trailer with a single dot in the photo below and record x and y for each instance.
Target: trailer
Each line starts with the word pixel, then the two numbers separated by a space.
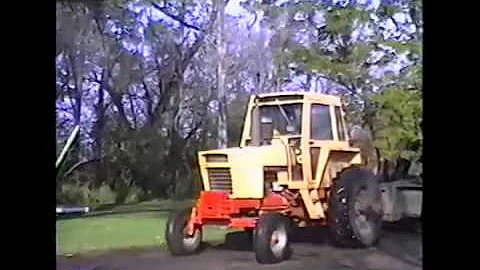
pixel 403 198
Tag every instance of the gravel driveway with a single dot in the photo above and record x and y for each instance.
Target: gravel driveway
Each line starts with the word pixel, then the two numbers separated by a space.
pixel 397 250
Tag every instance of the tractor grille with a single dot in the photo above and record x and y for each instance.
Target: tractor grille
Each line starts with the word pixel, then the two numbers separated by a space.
pixel 216 158
pixel 220 179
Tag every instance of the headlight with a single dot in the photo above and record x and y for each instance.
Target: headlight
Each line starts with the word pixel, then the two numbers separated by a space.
pixel 276 187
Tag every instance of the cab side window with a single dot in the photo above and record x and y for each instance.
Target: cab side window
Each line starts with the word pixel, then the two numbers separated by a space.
pixel 321 122
pixel 340 124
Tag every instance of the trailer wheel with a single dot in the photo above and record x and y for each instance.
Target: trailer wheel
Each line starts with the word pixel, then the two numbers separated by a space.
pixel 355 208
pixel 271 239
pixel 178 242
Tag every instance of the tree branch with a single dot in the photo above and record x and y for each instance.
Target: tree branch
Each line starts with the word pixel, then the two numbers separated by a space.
pixel 198 43
pixel 78 164
pixel 174 17
pixel 252 23
pixel 337 81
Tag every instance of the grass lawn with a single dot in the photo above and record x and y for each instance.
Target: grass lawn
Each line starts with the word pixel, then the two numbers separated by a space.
pixel 118 231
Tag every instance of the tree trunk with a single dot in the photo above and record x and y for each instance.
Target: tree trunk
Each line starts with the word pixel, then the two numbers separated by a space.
pixel 401 169
pixel 132 110
pixel 117 101
pixel 379 160
pixel 75 94
pixel 222 136
pixel 386 171
pixel 98 131
pixel 174 161
pixel 148 105
pixel 308 83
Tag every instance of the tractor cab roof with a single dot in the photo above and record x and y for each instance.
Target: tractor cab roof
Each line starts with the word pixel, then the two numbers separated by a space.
pixel 300 96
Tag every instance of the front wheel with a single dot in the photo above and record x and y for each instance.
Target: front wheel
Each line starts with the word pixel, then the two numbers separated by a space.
pixel 271 239
pixel 178 242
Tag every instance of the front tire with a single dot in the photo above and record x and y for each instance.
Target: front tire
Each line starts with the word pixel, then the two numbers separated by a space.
pixel 178 242
pixel 271 239
pixel 355 208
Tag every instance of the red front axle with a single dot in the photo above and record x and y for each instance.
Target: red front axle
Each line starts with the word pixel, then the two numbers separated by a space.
pixel 217 208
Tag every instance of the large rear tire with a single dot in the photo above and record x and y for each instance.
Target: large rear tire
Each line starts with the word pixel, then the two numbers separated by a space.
pixel 271 239
pixel 355 208
pixel 178 242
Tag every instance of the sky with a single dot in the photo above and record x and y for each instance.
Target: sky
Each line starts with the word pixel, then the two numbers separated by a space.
pixel 233 8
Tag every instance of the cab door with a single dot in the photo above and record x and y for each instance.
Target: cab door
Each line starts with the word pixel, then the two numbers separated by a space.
pixel 320 131
pixel 326 127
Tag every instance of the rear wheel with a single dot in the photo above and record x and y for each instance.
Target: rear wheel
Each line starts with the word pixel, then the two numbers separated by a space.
pixel 355 209
pixel 271 239
pixel 178 241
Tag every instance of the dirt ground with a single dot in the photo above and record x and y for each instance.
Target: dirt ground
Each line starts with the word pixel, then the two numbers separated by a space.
pixel 398 249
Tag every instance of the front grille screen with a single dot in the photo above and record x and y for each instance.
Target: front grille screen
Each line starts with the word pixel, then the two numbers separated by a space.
pixel 220 179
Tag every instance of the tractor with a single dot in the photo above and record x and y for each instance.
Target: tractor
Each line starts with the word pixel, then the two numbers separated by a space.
pixel 295 166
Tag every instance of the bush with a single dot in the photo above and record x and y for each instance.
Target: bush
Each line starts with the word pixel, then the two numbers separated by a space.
pixel 102 195
pixel 74 194
pixel 398 124
pixel 135 195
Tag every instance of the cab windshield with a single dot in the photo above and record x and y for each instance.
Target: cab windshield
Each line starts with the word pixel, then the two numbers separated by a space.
pixel 286 118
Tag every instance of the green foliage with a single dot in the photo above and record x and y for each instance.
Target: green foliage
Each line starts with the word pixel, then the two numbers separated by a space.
pixel 389 10
pixel 398 123
pixel 135 195
pixel 322 64
pixel 338 24
pixel 304 7
pixel 401 47
pixel 135 156
pixel 342 21
pixel 414 77
pixel 360 52
pixel 74 194
pixel 102 195
pixel 116 3
pixel 341 59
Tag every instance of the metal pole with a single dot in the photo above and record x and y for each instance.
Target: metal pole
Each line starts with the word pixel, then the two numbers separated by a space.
pixel 67 145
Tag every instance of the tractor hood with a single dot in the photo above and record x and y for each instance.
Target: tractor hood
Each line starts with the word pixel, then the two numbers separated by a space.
pixel 268 155
pixel 240 170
